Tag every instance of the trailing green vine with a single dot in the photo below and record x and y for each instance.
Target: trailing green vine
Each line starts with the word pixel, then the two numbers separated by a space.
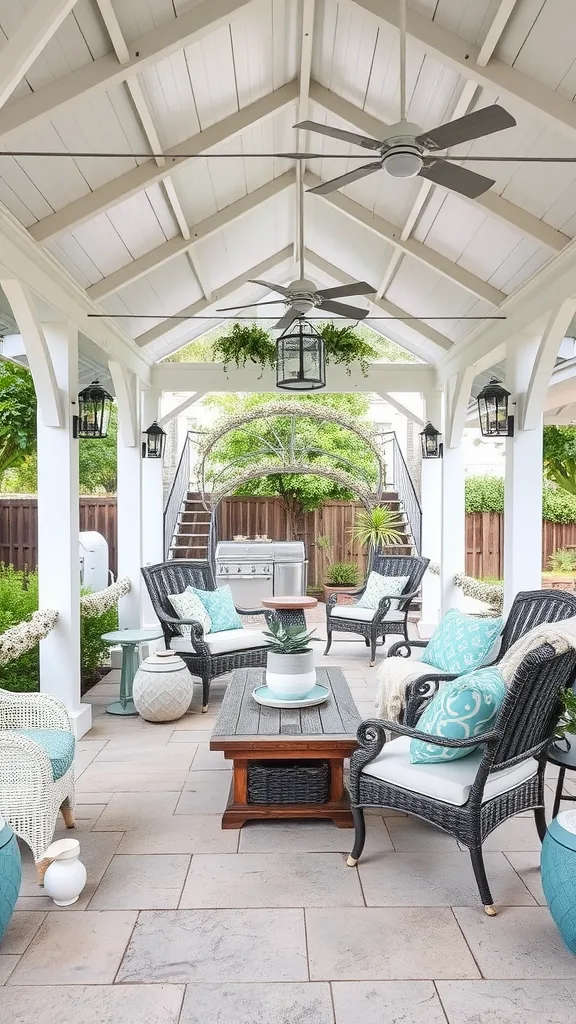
pixel 250 343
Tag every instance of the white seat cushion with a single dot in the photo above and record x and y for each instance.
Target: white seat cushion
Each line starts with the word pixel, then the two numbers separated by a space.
pixel 450 781
pixel 224 641
pixel 352 611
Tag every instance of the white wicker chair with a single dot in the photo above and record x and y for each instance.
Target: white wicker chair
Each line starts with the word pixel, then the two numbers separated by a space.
pixel 29 797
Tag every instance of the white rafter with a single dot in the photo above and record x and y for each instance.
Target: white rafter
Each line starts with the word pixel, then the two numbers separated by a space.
pixel 108 71
pixel 494 33
pixel 26 44
pixel 146 174
pixel 390 233
pixel 306 42
pixel 176 246
pixel 526 222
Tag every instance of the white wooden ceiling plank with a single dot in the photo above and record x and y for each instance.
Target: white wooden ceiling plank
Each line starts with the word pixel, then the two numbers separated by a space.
pixel 175 282
pixel 138 17
pixel 23 188
pixel 91 25
pixel 169 94
pixel 547 52
pixel 354 43
pixel 467 18
pixel 102 242
pixel 326 22
pixel 32 34
pixel 13 203
pixel 251 38
pixel 284 48
pixel 75 260
pixel 526 257
pixel 470 220
pixel 211 69
pixel 137 225
pixel 163 211
pixel 527 270
pixel 196 191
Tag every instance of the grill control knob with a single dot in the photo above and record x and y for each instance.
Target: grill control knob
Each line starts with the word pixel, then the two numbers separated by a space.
pixel 238 569
pixel 253 568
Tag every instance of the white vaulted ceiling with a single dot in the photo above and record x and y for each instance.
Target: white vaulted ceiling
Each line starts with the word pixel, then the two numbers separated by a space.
pixel 156 236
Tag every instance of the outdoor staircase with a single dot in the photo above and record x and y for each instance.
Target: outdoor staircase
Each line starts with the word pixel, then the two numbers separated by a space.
pixel 405 546
pixel 192 530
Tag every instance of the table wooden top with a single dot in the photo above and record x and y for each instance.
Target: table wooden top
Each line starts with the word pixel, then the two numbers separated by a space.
pixel 289 602
pixel 241 717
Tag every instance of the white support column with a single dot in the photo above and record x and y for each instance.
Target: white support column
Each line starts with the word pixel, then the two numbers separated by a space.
pixel 58 528
pixel 129 502
pixel 523 483
pixel 152 504
pixel 453 530
pixel 431 498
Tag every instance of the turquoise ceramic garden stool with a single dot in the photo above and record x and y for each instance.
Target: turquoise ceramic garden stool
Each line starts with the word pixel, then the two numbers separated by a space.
pixel 10 874
pixel 559 874
pixel 129 640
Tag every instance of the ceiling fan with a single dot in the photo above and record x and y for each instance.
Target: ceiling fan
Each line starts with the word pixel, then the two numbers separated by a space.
pixel 302 295
pixel 408 152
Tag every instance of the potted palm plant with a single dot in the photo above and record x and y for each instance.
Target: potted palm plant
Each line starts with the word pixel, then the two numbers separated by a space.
pixel 290 672
pixel 377 528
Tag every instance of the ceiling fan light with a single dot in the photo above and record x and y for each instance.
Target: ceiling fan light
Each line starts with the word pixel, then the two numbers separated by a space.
pixel 403 164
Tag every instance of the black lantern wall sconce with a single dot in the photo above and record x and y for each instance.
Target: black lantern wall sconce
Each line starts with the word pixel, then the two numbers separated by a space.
pixel 432 447
pixel 153 446
pixel 495 419
pixel 94 406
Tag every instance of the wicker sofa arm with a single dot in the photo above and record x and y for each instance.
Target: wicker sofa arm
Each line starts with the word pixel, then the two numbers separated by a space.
pixel 32 711
pixel 420 692
pixel 380 726
pixel 196 633
pixel 333 598
pixel 404 599
pixel 25 769
pixel 251 611
pixel 396 650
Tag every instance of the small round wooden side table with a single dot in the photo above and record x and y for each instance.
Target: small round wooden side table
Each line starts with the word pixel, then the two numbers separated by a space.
pixel 290 610
pixel 566 761
pixel 129 640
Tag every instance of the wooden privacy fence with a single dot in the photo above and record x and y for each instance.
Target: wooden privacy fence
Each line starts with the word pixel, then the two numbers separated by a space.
pixel 485 543
pixel 19 528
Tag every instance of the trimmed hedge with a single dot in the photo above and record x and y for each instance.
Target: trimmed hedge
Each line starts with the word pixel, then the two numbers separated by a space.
pixel 486 494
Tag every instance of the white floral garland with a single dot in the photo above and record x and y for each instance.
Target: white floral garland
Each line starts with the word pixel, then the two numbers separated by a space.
pixel 23 637
pixel 92 605
pixel 337 475
pixel 491 594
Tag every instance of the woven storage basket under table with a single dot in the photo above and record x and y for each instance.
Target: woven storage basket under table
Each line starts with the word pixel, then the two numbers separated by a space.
pixel 288 782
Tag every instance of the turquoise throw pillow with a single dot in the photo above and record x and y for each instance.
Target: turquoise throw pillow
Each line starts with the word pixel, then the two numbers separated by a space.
pixel 461 642
pixel 219 604
pixel 58 744
pixel 463 708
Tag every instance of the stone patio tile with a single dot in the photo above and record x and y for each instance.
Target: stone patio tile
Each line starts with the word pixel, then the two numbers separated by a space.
pixel 309 837
pixel 409 834
pixel 521 942
pixel 516 834
pixel 144 759
pixel 367 944
pixel 527 865
pixel 266 1003
pixel 216 946
pixel 93 1004
pixel 209 760
pixel 204 793
pixel 195 720
pixel 366 708
pixel 114 779
pixel 186 833
pixel 76 949
pixel 7 965
pixel 508 1002
pixel 271 880
pixel 376 1002
pixel 437 878
pixel 190 736
pixel 92 798
pixel 142 882
pixel 136 811
pixel 96 852
pixel 86 743
pixel 20 932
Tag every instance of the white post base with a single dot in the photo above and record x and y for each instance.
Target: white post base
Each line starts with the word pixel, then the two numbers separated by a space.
pixel 425 629
pixel 81 720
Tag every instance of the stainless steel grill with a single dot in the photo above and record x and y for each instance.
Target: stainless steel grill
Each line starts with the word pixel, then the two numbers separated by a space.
pixel 258 569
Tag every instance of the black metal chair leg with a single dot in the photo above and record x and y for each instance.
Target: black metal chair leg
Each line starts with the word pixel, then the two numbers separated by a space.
pixel 482 881
pixel 328 641
pixel 205 693
pixel 360 837
pixel 558 793
pixel 367 641
pixel 372 651
pixel 540 819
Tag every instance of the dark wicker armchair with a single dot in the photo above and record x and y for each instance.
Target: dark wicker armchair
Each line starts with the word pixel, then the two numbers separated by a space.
pixel 382 622
pixel 530 608
pixel 469 797
pixel 204 658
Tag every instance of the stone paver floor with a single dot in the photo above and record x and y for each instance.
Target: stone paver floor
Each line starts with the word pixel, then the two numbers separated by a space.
pixel 182 923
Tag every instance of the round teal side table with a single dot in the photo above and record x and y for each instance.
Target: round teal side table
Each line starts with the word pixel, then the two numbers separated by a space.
pixel 129 640
pixel 10 874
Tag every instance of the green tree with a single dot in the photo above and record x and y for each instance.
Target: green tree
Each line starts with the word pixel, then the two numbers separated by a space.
pixel 559 456
pixel 17 415
pixel 298 493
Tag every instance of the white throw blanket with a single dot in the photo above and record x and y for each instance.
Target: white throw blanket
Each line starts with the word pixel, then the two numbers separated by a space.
pixel 394 674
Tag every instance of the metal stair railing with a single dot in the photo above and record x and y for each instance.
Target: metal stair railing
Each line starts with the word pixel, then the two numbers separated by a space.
pixel 176 496
pixel 403 484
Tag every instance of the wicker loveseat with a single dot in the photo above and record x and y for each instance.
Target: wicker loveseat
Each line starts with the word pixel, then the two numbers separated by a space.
pixel 377 624
pixel 206 655
pixel 471 796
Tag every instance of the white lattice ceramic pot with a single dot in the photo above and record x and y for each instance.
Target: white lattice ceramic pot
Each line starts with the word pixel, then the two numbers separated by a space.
pixel 163 687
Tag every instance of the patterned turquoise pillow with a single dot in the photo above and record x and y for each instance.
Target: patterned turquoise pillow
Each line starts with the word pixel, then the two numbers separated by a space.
pixel 461 642
pixel 463 708
pixel 219 604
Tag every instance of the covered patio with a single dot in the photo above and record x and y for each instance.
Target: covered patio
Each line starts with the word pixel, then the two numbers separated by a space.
pixel 119 252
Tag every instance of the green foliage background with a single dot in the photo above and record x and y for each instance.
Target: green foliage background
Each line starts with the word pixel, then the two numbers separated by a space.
pixel 486 494
pixel 17 415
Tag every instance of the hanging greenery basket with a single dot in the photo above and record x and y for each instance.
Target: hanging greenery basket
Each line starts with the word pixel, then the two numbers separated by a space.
pixel 249 343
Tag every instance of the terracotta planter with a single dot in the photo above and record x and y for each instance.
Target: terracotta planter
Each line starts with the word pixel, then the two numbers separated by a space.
pixel 559 582
pixel 343 594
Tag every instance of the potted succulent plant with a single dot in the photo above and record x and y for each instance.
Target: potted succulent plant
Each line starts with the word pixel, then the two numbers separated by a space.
pixel 290 672
pixel 341 578
pixel 561 573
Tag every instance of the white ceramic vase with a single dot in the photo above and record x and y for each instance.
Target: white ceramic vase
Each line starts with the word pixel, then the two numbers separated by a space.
pixel 65 876
pixel 290 676
pixel 163 687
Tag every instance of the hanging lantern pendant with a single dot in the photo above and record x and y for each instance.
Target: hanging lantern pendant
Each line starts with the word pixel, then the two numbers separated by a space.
pixel 94 406
pixel 300 360
pixel 493 411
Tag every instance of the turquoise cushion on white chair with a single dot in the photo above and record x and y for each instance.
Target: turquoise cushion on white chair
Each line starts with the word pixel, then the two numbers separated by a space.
pixel 59 745
pixel 219 604
pixel 461 709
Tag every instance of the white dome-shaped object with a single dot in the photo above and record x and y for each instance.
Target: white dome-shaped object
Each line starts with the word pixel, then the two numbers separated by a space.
pixel 163 688
pixel 65 876
pixel 405 162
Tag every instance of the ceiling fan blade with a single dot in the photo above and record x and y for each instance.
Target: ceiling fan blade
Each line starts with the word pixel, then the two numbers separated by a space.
pixel 342 309
pixel 338 133
pixel 457 178
pixel 250 305
pixel 345 179
pixel 476 125
pixel 270 284
pixel 357 288
pixel 286 320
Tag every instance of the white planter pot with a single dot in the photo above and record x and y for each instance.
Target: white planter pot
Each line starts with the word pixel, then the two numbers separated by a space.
pixel 163 688
pixel 290 676
pixel 65 876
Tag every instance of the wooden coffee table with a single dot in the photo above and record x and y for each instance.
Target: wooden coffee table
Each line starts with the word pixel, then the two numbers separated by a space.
pixel 248 732
pixel 290 610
